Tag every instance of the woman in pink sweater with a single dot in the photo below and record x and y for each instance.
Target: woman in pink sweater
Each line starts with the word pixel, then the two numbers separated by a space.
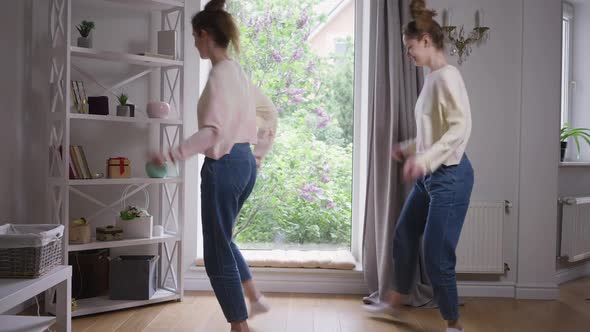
pixel 233 114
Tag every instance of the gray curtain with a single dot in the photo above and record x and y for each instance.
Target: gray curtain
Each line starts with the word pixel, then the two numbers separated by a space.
pixel 394 91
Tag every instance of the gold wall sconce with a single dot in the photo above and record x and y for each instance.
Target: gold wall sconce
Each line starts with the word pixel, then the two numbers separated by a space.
pixel 460 44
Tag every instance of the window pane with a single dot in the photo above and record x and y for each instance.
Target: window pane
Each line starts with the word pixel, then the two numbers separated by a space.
pixel 565 70
pixel 303 195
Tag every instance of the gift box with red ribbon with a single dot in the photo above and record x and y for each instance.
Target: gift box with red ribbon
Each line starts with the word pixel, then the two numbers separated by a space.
pixel 118 168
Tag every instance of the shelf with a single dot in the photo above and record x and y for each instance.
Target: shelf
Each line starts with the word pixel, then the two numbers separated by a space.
pixel 120 243
pixel 99 182
pixel 133 59
pixel 574 164
pixel 111 118
pixel 156 5
pixel 102 303
pixel 25 323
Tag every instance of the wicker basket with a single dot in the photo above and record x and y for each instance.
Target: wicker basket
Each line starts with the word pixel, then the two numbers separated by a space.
pixel 29 251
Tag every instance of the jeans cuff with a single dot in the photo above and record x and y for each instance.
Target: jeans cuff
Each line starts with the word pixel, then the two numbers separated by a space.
pixel 451 317
pixel 239 319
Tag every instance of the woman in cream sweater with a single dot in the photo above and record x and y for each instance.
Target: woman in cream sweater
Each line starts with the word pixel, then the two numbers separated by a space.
pixel 436 160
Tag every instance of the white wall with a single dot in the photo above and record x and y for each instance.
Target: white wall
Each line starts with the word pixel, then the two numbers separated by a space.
pixel 539 149
pixel 493 148
pixel 513 105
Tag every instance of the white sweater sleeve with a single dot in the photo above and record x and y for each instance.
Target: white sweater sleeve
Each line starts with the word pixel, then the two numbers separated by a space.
pixel 213 113
pixel 266 122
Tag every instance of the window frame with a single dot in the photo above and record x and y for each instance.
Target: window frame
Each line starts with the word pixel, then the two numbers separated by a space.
pixel 360 143
pixel 567 63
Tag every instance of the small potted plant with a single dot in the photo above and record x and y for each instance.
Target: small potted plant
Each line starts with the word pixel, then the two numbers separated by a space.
pixel 84 29
pixel 123 109
pixel 576 133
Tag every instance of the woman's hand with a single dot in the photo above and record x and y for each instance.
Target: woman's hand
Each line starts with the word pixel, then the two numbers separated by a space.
pixel 160 159
pixel 397 153
pixel 412 170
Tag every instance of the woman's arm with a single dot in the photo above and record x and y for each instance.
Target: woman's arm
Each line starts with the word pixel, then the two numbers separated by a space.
pixel 266 122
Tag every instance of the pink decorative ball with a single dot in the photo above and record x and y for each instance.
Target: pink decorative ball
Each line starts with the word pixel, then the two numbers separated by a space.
pixel 158 109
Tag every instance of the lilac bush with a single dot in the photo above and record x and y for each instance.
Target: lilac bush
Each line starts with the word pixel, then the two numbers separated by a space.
pixel 304 190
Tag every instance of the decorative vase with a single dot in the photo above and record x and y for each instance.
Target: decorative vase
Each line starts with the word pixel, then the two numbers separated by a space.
pixel 563 149
pixel 158 109
pixel 156 171
pixel 123 110
pixel 131 110
pixel 85 42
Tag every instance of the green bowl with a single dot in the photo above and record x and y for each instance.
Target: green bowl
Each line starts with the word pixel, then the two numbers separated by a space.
pixel 155 171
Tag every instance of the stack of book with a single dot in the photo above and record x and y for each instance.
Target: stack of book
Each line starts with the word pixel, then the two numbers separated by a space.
pixel 78 164
pixel 79 97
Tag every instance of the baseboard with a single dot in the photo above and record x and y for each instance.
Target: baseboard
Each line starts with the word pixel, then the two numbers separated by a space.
pixel 537 291
pixel 332 282
pixel 290 280
pixel 572 273
pixel 486 289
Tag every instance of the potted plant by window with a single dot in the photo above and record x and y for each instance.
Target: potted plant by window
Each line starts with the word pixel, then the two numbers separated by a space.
pixel 123 109
pixel 576 133
pixel 84 29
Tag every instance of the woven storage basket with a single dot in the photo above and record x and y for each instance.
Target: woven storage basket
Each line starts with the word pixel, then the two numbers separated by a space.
pixel 29 251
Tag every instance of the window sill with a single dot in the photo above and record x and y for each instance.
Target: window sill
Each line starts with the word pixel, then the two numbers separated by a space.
pixel 574 164
pixel 310 259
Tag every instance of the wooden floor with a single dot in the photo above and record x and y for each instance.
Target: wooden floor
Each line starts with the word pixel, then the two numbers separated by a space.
pixel 321 313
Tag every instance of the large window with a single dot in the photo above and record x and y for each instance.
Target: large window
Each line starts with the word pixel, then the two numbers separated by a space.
pixel 301 52
pixel 566 63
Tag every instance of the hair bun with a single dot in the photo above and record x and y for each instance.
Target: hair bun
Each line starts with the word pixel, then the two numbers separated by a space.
pixel 419 11
pixel 215 5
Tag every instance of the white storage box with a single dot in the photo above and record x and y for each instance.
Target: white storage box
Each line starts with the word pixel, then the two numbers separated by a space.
pixel 138 227
pixel 141 227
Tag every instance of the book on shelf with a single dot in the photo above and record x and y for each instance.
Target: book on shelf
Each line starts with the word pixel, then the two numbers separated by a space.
pixel 80 163
pixel 79 97
pixel 71 172
pixel 86 169
pixel 75 161
pixel 82 95
pixel 75 96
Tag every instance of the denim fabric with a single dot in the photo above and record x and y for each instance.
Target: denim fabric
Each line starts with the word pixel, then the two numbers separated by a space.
pixel 435 208
pixel 226 183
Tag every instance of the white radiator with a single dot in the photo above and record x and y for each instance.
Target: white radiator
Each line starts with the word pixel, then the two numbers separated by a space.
pixel 481 243
pixel 575 228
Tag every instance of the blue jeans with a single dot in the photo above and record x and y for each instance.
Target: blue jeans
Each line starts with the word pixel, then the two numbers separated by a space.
pixel 225 185
pixel 435 208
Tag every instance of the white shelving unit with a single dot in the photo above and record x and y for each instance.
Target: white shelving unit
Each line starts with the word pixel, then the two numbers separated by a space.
pixel 121 243
pixel 111 118
pixel 62 121
pixel 102 303
pixel 132 59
